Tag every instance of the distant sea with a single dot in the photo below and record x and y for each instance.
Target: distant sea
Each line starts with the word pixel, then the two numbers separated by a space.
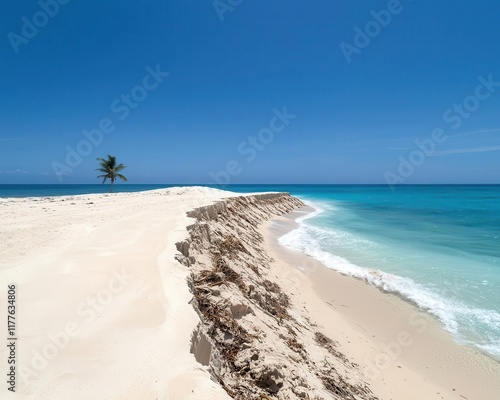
pixel 71 190
pixel 438 246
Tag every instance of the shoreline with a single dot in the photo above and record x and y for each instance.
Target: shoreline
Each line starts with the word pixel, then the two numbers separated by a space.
pixel 184 294
pixel 254 335
pixel 411 338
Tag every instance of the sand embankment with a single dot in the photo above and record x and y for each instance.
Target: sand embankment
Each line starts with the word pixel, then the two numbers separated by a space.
pixel 254 338
pixel 276 323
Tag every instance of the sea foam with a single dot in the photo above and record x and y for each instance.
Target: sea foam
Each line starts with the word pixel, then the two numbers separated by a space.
pixel 469 325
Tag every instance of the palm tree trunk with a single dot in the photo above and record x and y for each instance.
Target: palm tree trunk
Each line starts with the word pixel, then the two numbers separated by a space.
pixel 111 187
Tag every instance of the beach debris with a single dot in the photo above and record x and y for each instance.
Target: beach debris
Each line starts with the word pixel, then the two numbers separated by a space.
pixel 230 245
pixel 330 345
pixel 255 342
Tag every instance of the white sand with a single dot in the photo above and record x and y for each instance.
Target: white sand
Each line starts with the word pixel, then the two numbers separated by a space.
pixel 105 273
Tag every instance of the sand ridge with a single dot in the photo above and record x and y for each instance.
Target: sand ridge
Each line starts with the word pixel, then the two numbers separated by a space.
pixel 252 335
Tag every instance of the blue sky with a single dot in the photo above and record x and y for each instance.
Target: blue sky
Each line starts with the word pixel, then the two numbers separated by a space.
pixel 234 71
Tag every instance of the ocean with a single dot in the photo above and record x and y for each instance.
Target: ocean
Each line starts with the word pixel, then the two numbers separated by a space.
pixel 438 246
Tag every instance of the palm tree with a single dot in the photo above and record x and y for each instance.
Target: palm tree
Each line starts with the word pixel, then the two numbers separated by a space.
pixel 110 170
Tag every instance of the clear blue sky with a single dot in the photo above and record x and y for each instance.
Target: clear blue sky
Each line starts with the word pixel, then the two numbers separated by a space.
pixel 229 68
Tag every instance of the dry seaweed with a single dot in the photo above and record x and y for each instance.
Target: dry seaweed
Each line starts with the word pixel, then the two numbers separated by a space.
pixel 272 305
pixel 296 346
pixel 220 265
pixel 210 278
pixel 345 390
pixel 330 345
pixel 234 266
pixel 254 268
pixel 222 325
pixel 230 246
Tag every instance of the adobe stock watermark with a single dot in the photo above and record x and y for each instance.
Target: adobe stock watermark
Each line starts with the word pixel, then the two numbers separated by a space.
pixel 121 107
pixel 89 310
pixel 363 37
pixel 31 26
pixel 252 145
pixel 390 352
pixel 454 117
pixel 222 7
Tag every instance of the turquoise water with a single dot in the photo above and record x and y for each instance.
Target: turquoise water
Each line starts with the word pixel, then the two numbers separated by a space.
pixel 436 246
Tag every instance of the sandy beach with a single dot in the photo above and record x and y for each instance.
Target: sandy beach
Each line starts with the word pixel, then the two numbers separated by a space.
pixel 103 306
pixel 404 353
pixel 184 293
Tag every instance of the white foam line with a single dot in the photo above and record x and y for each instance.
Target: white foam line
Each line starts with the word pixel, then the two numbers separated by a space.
pixel 317 211
pixel 448 311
